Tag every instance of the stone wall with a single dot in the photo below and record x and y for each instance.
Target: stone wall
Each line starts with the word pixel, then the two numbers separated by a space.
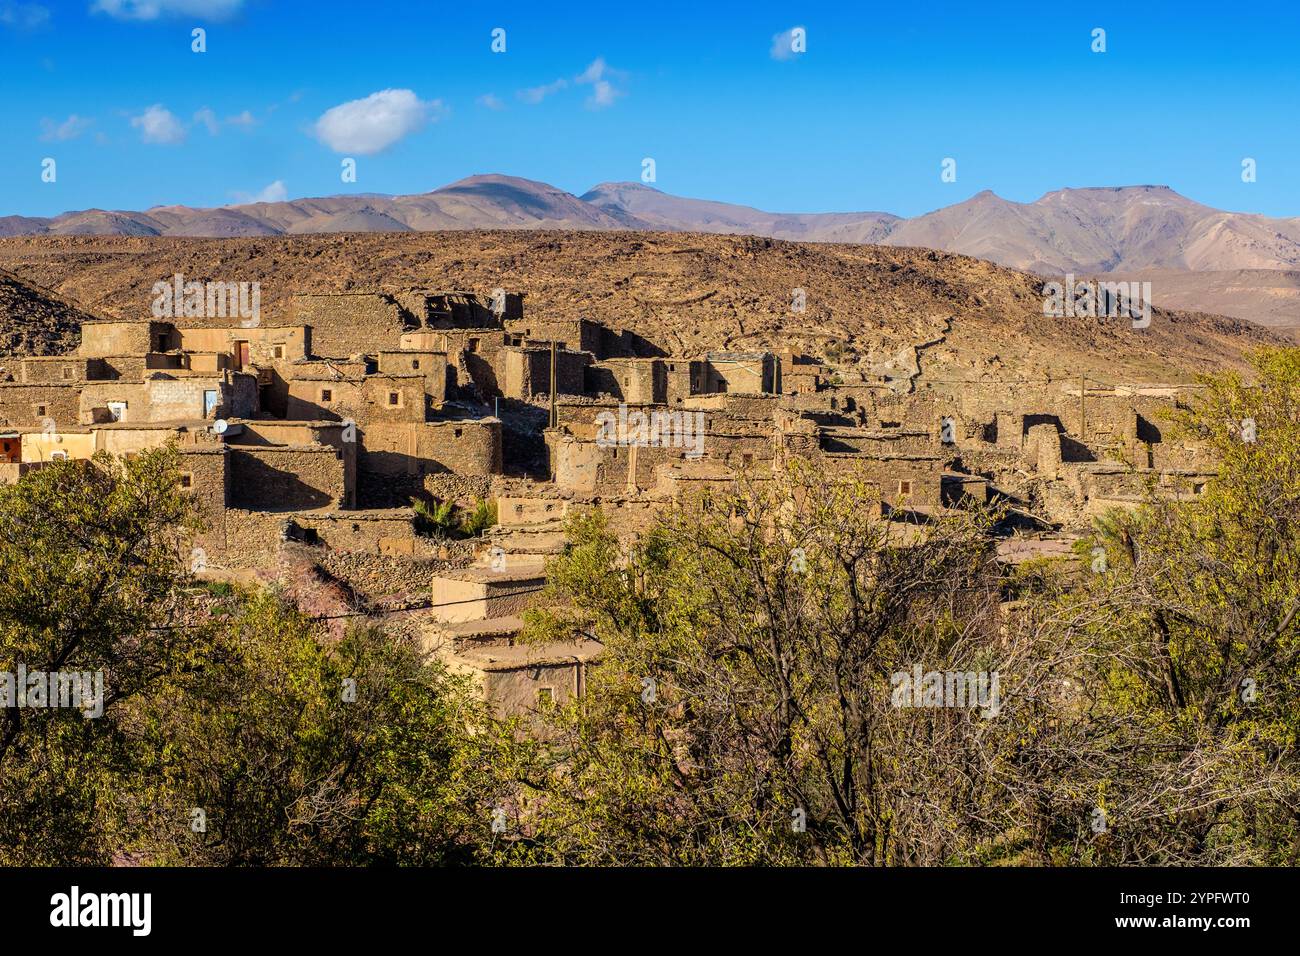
pixel 364 400
pixel 62 368
pixel 130 367
pixel 26 405
pixel 629 380
pixel 528 372
pixel 100 339
pixel 286 477
pixel 399 461
pixel 350 323
pixel 168 398
pixel 901 481
pixel 205 474
pixel 266 344
pixel 432 365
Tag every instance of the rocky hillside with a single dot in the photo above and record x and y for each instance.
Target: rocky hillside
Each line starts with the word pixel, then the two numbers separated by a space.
pixel 36 321
pixel 970 319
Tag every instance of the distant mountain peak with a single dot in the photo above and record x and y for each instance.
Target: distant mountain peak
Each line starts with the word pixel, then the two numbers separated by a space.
pixel 1080 229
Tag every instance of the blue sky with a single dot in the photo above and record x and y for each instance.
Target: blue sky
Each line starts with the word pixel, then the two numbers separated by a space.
pixel 862 120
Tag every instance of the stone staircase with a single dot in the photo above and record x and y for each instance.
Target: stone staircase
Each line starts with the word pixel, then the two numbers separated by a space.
pixel 544 539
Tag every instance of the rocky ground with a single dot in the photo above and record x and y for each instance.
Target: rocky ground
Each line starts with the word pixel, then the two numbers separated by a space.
pixel 687 292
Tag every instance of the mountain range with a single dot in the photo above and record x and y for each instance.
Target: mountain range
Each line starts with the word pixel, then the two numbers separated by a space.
pixel 1196 257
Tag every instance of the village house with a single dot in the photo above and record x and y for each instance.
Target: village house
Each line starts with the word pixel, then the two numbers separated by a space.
pixel 322 432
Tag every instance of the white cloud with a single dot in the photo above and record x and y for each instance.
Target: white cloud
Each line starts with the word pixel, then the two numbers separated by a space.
pixel 601 77
pixel 153 9
pixel 491 101
pixel 535 94
pixel 208 119
pixel 157 124
pixel 276 192
pixel 376 122
pixel 70 128
pixel 24 16
pixel 783 44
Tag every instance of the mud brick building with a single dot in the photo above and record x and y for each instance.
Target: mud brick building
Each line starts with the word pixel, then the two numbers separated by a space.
pixel 321 432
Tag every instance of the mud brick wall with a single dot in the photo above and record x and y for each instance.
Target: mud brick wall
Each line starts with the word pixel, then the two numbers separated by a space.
pixel 585 466
pixel 528 372
pixel 166 399
pixel 207 470
pixel 361 401
pixel 684 378
pixel 739 451
pixel 19 404
pixel 39 371
pixel 286 477
pixel 293 342
pixel 337 436
pixel 644 380
pixel 741 375
pixel 129 367
pixel 102 339
pixel 432 365
pixel 399 461
pixel 925 474
pixel 579 335
pixel 351 323
pixel 182 398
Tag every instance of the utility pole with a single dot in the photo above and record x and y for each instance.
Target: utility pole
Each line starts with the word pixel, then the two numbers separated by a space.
pixel 553 418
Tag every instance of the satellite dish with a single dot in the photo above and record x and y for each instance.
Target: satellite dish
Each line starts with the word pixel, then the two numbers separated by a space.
pixel 220 426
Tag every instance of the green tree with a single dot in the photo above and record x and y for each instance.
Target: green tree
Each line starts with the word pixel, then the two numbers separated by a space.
pixel 286 749
pixel 89 568
pixel 1187 646
pixel 744 711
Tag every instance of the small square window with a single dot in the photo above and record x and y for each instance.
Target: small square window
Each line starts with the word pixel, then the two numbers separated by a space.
pixel 187 480
pixel 415 365
pixel 458 432
pixel 42 411
pixel 326 395
pixel 904 487
pixel 545 697
pixel 278 351
pixel 67 372
pixel 394 398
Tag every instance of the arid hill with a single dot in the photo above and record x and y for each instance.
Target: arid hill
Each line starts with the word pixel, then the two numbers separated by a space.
pixel 967 318
pixel 36 321
pixel 1198 257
